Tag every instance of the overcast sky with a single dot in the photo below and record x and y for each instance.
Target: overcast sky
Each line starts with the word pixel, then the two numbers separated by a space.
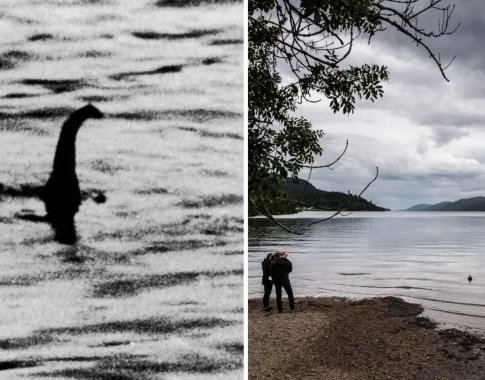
pixel 427 136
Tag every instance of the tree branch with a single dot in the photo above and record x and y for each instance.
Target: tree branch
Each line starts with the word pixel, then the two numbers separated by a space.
pixel 267 214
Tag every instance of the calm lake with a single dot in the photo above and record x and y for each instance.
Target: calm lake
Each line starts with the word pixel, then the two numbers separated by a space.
pixel 424 257
pixel 154 287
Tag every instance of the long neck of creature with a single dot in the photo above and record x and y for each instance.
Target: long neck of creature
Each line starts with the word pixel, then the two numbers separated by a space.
pixel 65 157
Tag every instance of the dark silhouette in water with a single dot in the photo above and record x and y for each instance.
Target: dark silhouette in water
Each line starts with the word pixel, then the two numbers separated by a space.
pixel 61 193
pixel 470 278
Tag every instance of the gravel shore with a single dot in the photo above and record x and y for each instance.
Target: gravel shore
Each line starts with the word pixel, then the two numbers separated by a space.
pixel 378 338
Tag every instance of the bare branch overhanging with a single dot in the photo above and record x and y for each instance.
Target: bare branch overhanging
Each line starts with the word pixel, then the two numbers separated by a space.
pixel 313 43
pixel 297 38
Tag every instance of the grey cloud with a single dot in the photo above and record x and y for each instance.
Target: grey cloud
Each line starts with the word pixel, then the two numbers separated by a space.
pixel 451 119
pixel 431 178
pixel 454 176
pixel 422 147
pixel 445 134
pixel 425 134
pixel 478 153
pixel 398 192
pixel 399 189
pixel 465 43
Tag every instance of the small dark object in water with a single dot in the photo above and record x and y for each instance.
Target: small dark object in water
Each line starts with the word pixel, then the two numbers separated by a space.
pixel 161 70
pixel 470 278
pixel 61 193
pixel 98 197
pixel 41 37
pixel 211 61
pixel 166 69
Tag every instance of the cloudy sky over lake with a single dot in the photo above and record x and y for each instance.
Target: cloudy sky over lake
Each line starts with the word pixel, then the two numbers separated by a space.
pixel 427 135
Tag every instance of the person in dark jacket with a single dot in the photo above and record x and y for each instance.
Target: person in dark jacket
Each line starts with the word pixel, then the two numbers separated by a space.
pixel 267 283
pixel 280 268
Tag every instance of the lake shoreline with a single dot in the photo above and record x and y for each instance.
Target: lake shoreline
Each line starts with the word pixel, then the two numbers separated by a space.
pixel 339 338
pixel 423 257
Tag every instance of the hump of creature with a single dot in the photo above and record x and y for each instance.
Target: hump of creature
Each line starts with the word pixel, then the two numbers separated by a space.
pixel 61 193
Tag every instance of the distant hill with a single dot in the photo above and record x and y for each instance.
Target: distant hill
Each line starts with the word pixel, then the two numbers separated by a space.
pixel 328 200
pixel 316 198
pixel 467 204
pixel 420 207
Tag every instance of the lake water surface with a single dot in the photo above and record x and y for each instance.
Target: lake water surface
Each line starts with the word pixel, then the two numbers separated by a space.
pixel 424 257
pixel 154 287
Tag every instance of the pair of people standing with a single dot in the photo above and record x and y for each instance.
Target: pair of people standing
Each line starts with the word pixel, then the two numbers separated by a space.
pixel 277 266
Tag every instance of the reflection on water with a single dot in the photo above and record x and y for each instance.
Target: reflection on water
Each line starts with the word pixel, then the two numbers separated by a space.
pixel 423 257
pixel 154 284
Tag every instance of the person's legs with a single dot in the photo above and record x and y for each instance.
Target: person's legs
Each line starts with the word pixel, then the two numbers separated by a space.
pixel 268 287
pixel 287 285
pixel 279 304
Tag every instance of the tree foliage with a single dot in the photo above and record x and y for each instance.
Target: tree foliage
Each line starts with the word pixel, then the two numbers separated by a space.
pixel 296 52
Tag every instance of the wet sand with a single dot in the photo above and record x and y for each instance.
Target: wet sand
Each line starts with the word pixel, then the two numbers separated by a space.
pixel 378 338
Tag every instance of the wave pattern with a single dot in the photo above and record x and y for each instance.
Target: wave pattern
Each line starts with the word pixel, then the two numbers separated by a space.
pixel 154 287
